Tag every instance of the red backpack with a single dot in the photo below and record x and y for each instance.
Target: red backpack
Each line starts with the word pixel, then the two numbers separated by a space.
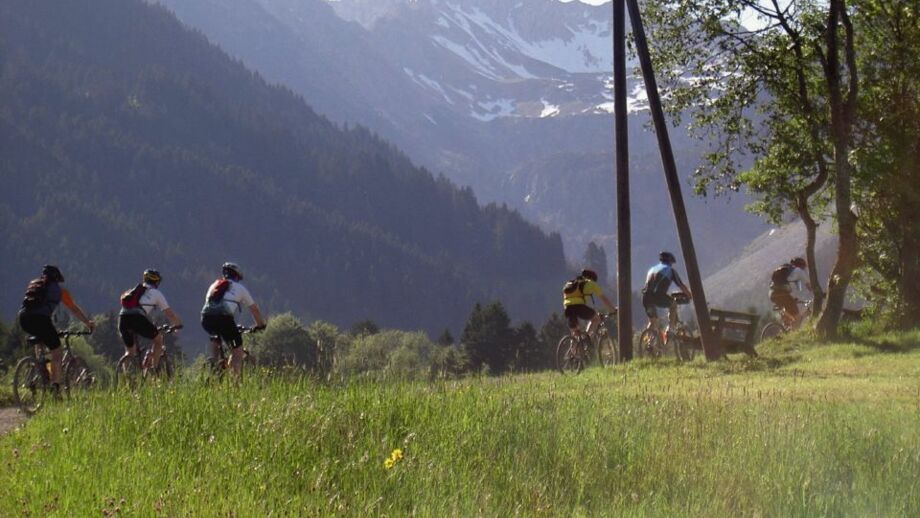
pixel 218 290
pixel 131 299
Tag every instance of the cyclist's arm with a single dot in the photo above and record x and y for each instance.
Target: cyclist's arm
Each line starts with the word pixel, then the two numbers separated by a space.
pixel 610 307
pixel 257 315
pixel 72 306
pixel 173 318
pixel 680 284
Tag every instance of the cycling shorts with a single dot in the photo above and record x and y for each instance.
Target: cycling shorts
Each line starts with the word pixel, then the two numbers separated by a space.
pixel 223 326
pixel 41 327
pixel 132 325
pixel 576 311
pixel 652 302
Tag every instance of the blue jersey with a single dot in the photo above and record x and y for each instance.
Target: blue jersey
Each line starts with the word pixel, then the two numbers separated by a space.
pixel 659 278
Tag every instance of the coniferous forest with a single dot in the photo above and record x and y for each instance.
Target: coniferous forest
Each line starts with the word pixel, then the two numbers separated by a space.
pixel 128 141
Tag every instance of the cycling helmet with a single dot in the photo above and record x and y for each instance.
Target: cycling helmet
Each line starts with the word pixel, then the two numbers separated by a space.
pixel 667 258
pixel 799 262
pixel 152 276
pixel 52 272
pixel 589 274
pixel 232 271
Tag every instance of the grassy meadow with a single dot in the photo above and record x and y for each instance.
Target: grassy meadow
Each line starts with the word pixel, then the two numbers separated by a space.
pixel 802 431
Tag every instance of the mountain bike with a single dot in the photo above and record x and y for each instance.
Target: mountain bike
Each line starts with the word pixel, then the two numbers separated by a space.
pixel 678 338
pixel 220 364
pixel 32 375
pixel 573 353
pixel 779 327
pixel 132 370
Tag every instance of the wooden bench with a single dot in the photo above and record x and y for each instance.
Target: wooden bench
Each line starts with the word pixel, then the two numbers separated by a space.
pixel 736 331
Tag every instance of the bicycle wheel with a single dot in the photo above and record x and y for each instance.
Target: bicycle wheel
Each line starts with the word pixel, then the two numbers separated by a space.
pixel 568 358
pixel 29 385
pixel 683 345
pixel 771 330
pixel 128 373
pixel 650 344
pixel 163 370
pixel 608 353
pixel 77 375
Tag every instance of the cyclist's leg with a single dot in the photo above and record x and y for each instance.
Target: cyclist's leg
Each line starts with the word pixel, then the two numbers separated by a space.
pixel 571 317
pixel 235 342
pixel 41 327
pixel 127 335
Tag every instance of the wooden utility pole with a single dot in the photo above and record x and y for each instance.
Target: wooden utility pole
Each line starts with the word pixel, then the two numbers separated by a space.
pixel 711 344
pixel 624 238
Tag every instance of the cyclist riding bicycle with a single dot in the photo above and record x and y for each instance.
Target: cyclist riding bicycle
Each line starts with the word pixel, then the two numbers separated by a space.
pixel 655 293
pixel 134 316
pixel 786 289
pixel 41 299
pixel 575 295
pixel 225 299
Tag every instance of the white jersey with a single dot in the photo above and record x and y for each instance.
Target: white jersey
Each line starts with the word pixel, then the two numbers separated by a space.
pixel 152 300
pixel 798 281
pixel 235 299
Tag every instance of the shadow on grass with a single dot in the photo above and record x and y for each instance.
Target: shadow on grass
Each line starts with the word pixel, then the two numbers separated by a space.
pixel 885 346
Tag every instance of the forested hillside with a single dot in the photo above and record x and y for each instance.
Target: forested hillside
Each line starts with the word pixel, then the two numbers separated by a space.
pixel 127 141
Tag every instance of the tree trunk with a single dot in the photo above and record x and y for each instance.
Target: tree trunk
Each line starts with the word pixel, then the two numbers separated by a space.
pixel 811 231
pixel 909 282
pixel 842 111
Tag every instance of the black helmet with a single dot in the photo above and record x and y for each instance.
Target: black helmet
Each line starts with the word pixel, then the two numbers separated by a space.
pixel 799 262
pixel 52 272
pixel 152 276
pixel 667 258
pixel 589 274
pixel 232 271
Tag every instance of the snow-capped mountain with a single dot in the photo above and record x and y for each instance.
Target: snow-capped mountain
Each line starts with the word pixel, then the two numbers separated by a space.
pixel 510 97
pixel 493 59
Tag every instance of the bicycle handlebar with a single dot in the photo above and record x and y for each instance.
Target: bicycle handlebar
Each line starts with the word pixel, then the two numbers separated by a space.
pixel 247 330
pixel 168 329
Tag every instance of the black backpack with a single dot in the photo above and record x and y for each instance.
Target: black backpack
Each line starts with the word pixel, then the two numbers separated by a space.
pixel 781 275
pixel 36 294
pixel 131 299
pixel 572 286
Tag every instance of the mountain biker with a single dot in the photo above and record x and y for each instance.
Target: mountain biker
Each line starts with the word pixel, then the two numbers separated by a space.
pixel 134 316
pixel 786 288
pixel 225 299
pixel 575 301
pixel 41 299
pixel 655 292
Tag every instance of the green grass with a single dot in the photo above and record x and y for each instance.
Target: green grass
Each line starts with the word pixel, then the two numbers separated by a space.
pixel 802 431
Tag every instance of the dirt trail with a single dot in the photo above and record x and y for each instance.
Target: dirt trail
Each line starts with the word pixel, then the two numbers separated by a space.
pixel 9 419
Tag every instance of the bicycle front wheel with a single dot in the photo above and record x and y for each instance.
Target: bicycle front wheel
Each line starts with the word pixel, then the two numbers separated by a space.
pixel 608 353
pixel 771 330
pixel 683 345
pixel 128 373
pixel 650 344
pixel 30 385
pixel 568 358
pixel 77 375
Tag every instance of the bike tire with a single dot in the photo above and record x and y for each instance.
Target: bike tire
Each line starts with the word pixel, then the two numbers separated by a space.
pixel 29 385
pixel 683 346
pixel 77 376
pixel 771 330
pixel 163 371
pixel 608 354
pixel 128 373
pixel 649 344
pixel 568 359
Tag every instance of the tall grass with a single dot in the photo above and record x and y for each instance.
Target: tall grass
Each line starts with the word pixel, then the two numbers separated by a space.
pixel 827 431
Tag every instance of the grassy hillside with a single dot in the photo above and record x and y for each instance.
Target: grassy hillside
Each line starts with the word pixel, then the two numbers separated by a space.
pixel 803 431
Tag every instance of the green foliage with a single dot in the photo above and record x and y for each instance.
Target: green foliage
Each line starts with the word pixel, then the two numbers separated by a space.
pixel 365 327
pixel 391 354
pixel 813 431
pixel 487 339
pixel 284 342
pixel 126 143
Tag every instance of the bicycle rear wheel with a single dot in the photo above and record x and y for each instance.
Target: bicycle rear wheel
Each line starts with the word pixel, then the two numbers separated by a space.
pixel 608 353
pixel 568 358
pixel 771 330
pixel 30 385
pixel 128 373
